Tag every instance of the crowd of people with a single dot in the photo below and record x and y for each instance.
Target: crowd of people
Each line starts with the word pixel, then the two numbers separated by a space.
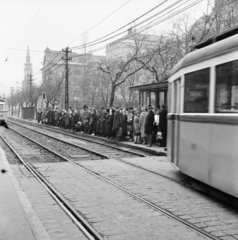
pixel 147 127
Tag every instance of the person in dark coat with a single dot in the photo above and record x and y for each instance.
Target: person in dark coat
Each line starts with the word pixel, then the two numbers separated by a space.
pixel 163 125
pixel 48 117
pixel 66 119
pixel 75 119
pixel 109 123
pixel 149 125
pixel 52 117
pixel 98 116
pixel 115 124
pixel 124 123
pixel 93 122
pixel 39 116
pixel 106 122
pixel 56 116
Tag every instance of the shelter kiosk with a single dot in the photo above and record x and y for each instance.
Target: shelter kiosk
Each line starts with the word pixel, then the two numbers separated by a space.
pixel 154 94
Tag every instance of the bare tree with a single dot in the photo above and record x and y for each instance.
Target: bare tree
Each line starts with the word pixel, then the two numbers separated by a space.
pixel 92 83
pixel 225 13
pixel 121 68
pixel 161 57
pixel 52 86
pixel 128 96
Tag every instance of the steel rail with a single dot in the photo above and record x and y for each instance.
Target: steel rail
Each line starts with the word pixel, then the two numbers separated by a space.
pixel 151 205
pixel 79 220
pixel 138 198
pixel 105 156
pixel 63 131
pixel 72 144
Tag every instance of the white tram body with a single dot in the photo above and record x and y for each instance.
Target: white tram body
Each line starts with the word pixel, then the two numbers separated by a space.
pixel 3 111
pixel 203 115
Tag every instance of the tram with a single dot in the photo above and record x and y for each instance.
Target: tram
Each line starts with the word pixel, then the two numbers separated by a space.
pixel 3 112
pixel 203 113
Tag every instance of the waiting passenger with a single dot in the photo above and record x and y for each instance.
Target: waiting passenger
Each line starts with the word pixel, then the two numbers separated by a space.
pixel 149 125
pixel 142 119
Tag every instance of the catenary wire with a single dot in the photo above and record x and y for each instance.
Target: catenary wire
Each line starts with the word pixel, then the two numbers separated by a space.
pixel 124 25
pixel 181 10
pixel 28 26
pixel 128 24
pixel 135 26
pixel 100 21
pixel 148 27
pixel 93 42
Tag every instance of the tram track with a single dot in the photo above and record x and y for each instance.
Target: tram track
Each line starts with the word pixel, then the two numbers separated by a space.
pixel 185 181
pixel 102 152
pixel 72 211
pixel 79 220
pixel 84 137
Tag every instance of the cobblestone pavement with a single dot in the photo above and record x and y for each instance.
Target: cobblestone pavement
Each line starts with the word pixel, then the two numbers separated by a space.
pixel 113 213
pixel 213 216
pixel 56 222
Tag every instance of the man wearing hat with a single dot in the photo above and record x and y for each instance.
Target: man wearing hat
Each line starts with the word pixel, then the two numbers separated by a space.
pixel 149 125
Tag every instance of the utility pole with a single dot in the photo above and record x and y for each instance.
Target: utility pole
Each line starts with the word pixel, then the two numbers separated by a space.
pixel 84 74
pixel 30 82
pixel 12 90
pixel 66 58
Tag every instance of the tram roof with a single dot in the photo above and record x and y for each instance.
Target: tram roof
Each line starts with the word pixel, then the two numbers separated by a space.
pixel 224 43
pixel 152 86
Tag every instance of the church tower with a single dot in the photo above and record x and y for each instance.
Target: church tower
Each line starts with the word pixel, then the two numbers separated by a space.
pixel 27 70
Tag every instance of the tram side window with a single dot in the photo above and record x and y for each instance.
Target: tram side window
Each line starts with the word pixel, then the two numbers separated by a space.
pixel 227 87
pixel 197 91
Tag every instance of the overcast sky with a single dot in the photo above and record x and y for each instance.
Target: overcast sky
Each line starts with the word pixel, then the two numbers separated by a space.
pixel 57 24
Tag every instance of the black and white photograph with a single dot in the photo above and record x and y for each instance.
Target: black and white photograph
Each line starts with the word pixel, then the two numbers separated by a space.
pixel 119 120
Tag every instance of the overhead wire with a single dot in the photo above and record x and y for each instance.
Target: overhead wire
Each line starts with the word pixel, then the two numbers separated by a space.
pixel 146 27
pixel 121 28
pixel 101 21
pixel 28 26
pixel 81 46
pixel 49 63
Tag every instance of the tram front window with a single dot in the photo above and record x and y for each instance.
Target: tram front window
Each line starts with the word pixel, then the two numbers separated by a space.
pixel 197 91
pixel 227 87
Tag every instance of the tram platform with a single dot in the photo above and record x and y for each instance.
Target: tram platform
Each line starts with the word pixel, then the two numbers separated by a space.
pixel 18 220
pixel 154 149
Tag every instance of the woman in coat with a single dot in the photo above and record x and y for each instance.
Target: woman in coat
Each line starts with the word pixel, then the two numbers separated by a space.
pixel 142 119
pixel 136 127
pixel 149 125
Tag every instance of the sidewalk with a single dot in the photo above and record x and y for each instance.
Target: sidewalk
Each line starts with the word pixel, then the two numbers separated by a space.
pixel 18 220
pixel 154 150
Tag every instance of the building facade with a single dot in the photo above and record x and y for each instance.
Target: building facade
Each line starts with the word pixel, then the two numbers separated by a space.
pixel 53 76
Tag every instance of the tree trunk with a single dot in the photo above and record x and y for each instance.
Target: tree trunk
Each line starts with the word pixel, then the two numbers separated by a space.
pixel 113 89
pixel 92 102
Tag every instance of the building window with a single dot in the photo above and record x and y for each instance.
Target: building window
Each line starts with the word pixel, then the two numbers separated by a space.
pixel 197 91
pixel 227 87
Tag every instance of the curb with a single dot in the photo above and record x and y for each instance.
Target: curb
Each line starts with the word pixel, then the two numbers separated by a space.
pixel 35 223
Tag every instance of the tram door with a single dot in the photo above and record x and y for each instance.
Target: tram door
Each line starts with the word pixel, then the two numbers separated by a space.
pixel 175 123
